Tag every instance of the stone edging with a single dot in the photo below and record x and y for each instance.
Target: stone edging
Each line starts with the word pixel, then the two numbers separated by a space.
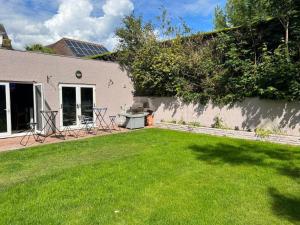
pixel 281 139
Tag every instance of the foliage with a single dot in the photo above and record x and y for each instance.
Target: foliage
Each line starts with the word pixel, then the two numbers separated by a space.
pixel 278 131
pixel 278 77
pixel 224 67
pixel 39 48
pixel 241 12
pixel 107 56
pixel 262 133
pixel 181 122
pixel 220 20
pixel 218 123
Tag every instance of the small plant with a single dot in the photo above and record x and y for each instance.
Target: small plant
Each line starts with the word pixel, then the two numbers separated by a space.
pixel 218 123
pixel 162 121
pixel 195 124
pixel 236 128
pixel 278 131
pixel 262 133
pixel 181 122
pixel 173 121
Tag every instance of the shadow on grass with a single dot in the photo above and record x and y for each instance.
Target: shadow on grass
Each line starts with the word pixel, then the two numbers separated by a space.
pixel 286 206
pixel 281 159
pixel 272 156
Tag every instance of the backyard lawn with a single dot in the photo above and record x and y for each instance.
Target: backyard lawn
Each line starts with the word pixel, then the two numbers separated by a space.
pixel 151 176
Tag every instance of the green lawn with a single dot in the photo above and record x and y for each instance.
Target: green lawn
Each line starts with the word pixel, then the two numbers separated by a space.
pixel 151 176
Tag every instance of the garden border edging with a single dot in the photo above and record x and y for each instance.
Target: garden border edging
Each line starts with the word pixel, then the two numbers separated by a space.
pixel 281 139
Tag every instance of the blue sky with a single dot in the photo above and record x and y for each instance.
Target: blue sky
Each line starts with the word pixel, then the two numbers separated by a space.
pixel 46 21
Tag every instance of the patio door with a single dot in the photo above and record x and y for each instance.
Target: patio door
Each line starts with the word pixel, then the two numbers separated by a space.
pixel 5 117
pixel 38 102
pixel 75 100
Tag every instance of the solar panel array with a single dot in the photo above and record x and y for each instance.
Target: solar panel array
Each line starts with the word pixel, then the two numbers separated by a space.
pixel 81 49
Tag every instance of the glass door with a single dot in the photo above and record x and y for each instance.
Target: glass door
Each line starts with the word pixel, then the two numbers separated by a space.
pixel 5 121
pixel 76 100
pixel 69 106
pixel 38 102
pixel 87 101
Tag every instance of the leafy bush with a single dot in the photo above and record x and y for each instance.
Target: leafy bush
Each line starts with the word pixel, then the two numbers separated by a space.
pixel 250 61
pixel 182 122
pixel 262 133
pixel 218 123
pixel 39 48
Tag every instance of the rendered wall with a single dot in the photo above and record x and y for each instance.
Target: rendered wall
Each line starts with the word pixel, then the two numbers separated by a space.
pixel 249 114
pixel 113 87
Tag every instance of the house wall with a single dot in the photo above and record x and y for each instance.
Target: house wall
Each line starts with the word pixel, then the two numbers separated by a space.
pixel 249 114
pixel 17 66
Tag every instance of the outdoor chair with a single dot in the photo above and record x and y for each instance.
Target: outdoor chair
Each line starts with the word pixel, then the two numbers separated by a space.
pixel 69 131
pixel 30 132
pixel 86 123
pixel 113 124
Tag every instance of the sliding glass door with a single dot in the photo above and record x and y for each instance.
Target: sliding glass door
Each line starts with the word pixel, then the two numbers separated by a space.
pixel 76 100
pixel 5 121
pixel 38 105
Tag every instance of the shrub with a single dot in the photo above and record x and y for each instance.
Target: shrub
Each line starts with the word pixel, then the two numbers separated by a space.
pixel 218 123
pixel 262 133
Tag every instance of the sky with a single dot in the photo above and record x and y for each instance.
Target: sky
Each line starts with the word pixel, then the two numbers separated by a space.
pixel 46 21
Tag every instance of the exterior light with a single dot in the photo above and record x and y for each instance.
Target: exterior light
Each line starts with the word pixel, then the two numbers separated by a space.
pixel 78 74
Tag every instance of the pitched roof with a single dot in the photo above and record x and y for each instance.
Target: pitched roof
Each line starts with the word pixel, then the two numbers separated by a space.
pixel 77 48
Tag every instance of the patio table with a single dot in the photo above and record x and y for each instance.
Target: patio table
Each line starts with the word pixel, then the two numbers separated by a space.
pixel 50 124
pixel 100 118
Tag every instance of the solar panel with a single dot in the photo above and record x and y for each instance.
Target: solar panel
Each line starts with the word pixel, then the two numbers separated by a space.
pixel 85 45
pixel 94 47
pixel 69 43
pixel 73 49
pixel 80 45
pixel 81 49
pixel 85 51
pixel 90 47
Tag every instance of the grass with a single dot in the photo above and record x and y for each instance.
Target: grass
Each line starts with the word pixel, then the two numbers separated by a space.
pixel 151 176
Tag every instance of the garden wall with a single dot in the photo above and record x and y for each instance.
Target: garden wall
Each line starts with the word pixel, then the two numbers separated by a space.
pixel 249 114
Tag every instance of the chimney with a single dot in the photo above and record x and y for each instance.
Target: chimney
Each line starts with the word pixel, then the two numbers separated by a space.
pixel 5 42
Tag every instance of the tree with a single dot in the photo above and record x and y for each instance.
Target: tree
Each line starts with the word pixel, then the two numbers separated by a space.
pixel 220 21
pixel 283 10
pixel 39 48
pixel 240 12
pixel 132 36
pixel 244 13
pixel 217 67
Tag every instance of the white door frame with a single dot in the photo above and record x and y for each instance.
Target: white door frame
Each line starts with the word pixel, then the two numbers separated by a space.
pixel 34 104
pixel 78 102
pixel 8 112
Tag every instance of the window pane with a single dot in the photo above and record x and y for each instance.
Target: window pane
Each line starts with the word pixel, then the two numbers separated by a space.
pixel 3 118
pixel 69 106
pixel 87 102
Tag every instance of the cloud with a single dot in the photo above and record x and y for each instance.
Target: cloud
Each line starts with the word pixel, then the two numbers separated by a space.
pixel 74 19
pixel 201 7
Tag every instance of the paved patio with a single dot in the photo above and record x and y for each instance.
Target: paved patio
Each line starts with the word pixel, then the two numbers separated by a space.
pixel 8 144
